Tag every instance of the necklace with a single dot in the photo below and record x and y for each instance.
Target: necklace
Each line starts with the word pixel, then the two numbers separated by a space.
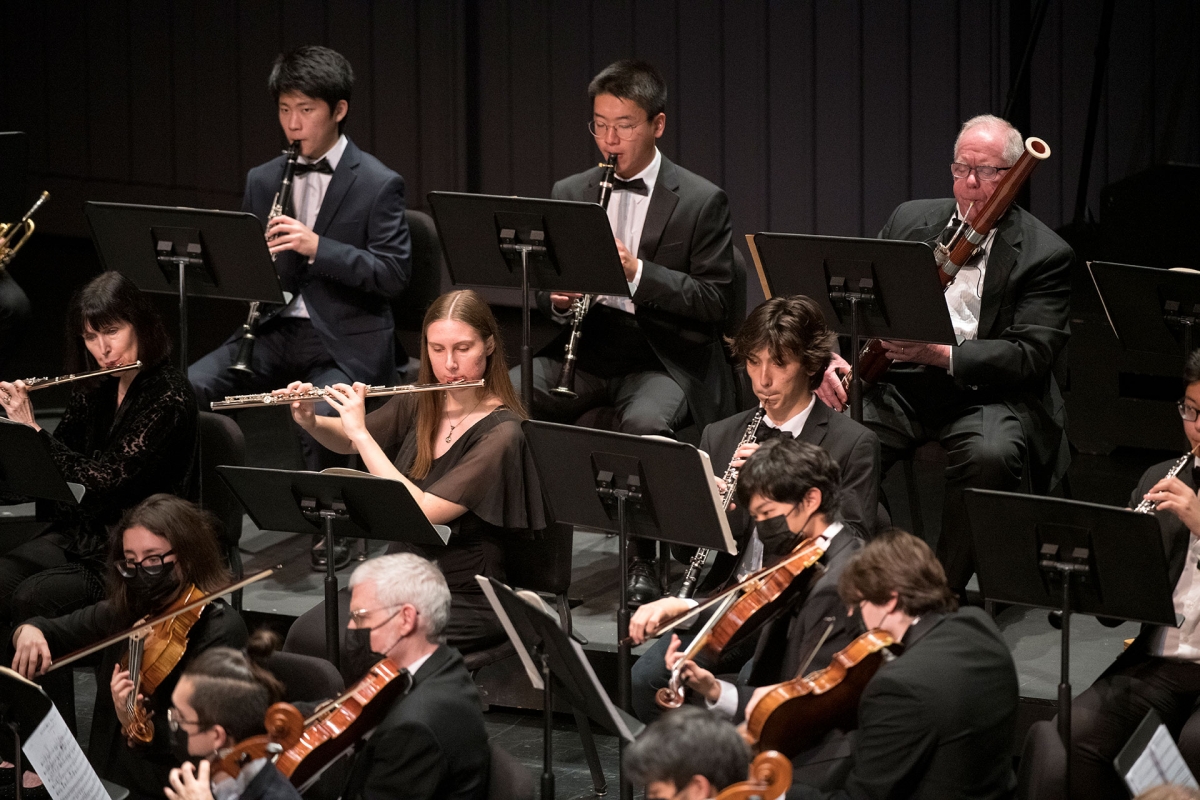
pixel 454 425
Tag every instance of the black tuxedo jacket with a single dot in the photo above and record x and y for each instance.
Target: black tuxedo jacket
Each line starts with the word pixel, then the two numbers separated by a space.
pixel 853 446
pixel 787 642
pixel 686 291
pixel 939 720
pixel 363 260
pixel 1023 325
pixel 432 744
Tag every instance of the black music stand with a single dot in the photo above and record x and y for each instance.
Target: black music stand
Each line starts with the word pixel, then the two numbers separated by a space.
pixel 526 243
pixel 28 470
pixel 1071 557
pixel 353 506
pixel 628 485
pixel 552 657
pixel 1150 310
pixel 867 289
pixel 186 251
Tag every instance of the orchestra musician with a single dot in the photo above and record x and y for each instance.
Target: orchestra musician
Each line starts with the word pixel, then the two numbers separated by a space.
pixel 792 491
pixel 220 700
pixel 786 345
pixel 432 743
pixel 1160 670
pixel 657 359
pixel 460 453
pixel 688 754
pixel 937 721
pixel 342 252
pixel 123 437
pixel 162 549
pixel 992 399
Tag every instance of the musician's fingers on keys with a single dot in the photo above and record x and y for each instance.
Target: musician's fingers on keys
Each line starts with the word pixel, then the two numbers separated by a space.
pixel 1172 494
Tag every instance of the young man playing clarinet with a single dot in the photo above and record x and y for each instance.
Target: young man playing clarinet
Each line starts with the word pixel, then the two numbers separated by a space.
pixel 786 345
pixel 342 252
pixel 656 355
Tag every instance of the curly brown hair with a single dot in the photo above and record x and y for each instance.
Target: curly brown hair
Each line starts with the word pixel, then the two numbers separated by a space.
pixel 790 328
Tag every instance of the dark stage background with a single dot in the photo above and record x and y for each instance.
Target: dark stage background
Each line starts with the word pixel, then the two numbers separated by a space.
pixel 816 117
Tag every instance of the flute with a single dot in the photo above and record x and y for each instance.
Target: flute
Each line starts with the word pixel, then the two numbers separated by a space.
pixel 33 384
pixel 317 395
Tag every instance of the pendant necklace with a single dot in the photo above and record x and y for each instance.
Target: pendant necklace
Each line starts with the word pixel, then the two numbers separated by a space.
pixel 454 425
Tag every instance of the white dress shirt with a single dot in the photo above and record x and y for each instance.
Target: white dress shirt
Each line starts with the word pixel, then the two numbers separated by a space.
pixel 1183 643
pixel 308 192
pixel 627 216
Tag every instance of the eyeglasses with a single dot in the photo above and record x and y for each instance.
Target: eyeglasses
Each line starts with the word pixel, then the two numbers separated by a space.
pixel 151 565
pixel 984 173
pixel 359 615
pixel 1186 411
pixel 624 129
pixel 174 721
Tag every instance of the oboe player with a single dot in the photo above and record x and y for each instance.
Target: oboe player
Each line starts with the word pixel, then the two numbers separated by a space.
pixel 785 344
pixel 342 251
pixel 657 357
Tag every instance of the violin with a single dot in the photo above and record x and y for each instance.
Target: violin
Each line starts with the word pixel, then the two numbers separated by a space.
pixel 338 725
pixel 797 714
pixel 770 777
pixel 284 724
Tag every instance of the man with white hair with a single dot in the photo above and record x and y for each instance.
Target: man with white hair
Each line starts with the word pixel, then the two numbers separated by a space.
pixel 432 743
pixel 991 399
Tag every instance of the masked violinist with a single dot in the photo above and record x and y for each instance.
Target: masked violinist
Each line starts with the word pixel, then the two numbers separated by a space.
pixel 164 548
pixel 221 699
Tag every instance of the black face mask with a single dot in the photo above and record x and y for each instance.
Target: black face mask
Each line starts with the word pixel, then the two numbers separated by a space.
pixel 151 592
pixel 359 657
pixel 179 747
pixel 776 537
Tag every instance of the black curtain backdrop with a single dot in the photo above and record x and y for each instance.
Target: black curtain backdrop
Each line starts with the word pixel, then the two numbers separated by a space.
pixel 815 116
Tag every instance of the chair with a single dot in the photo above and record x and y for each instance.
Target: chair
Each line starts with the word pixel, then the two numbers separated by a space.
pixel 507 778
pixel 222 444
pixel 429 276
pixel 306 679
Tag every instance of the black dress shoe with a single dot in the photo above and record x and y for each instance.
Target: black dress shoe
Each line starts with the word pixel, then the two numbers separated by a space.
pixel 643 583
pixel 341 553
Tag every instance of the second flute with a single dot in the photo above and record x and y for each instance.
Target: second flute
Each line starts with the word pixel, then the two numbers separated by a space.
pixel 317 395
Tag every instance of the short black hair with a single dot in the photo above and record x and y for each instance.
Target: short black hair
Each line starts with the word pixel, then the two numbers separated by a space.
pixel 1191 369
pixel 687 742
pixel 638 81
pixel 785 469
pixel 315 71
pixel 111 298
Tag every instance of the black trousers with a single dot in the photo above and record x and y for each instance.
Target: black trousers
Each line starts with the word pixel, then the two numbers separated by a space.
pixel 287 350
pixel 985 445
pixel 1107 713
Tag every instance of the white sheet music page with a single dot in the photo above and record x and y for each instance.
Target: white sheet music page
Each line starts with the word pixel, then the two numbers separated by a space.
pixel 60 763
pixel 1160 763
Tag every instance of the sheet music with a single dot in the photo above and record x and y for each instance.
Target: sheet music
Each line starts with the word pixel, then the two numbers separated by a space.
pixel 534 673
pixel 603 695
pixel 60 763
pixel 1160 763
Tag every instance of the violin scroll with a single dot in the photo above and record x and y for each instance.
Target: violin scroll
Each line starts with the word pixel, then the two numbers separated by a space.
pixel 284 724
pixel 669 697
pixel 770 777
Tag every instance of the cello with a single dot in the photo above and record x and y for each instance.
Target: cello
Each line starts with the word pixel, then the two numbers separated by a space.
pixel 797 714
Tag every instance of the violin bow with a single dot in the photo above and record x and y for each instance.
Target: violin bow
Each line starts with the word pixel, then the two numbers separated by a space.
pixel 143 628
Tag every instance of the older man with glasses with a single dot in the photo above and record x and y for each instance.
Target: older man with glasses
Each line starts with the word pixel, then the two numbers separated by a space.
pixel 991 399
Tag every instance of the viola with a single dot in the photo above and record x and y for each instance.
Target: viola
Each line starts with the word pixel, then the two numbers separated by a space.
pixel 338 725
pixel 797 714
pixel 284 724
pixel 770 777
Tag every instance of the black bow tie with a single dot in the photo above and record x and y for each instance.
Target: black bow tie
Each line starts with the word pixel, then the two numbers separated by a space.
pixel 637 186
pixel 766 433
pixel 321 166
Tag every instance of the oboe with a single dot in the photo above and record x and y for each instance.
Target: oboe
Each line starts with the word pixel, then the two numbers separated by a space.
pixel 580 307
pixel 317 395
pixel 1149 506
pixel 730 478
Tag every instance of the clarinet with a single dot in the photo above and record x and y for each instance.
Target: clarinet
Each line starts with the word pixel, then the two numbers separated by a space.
pixel 283 199
pixel 579 308
pixel 692 576
pixel 1148 506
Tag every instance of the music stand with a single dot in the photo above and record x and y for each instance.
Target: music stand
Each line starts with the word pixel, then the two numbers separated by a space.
pixel 353 506
pixel 527 243
pixel 867 289
pixel 558 660
pixel 186 251
pixel 27 469
pixel 1150 310
pixel 1073 557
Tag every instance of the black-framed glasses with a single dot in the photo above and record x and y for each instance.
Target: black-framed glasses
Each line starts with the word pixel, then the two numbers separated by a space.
pixel 624 129
pixel 174 721
pixel 151 565
pixel 1186 411
pixel 984 173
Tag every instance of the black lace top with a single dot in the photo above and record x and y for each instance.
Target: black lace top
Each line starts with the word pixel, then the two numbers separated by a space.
pixel 122 455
